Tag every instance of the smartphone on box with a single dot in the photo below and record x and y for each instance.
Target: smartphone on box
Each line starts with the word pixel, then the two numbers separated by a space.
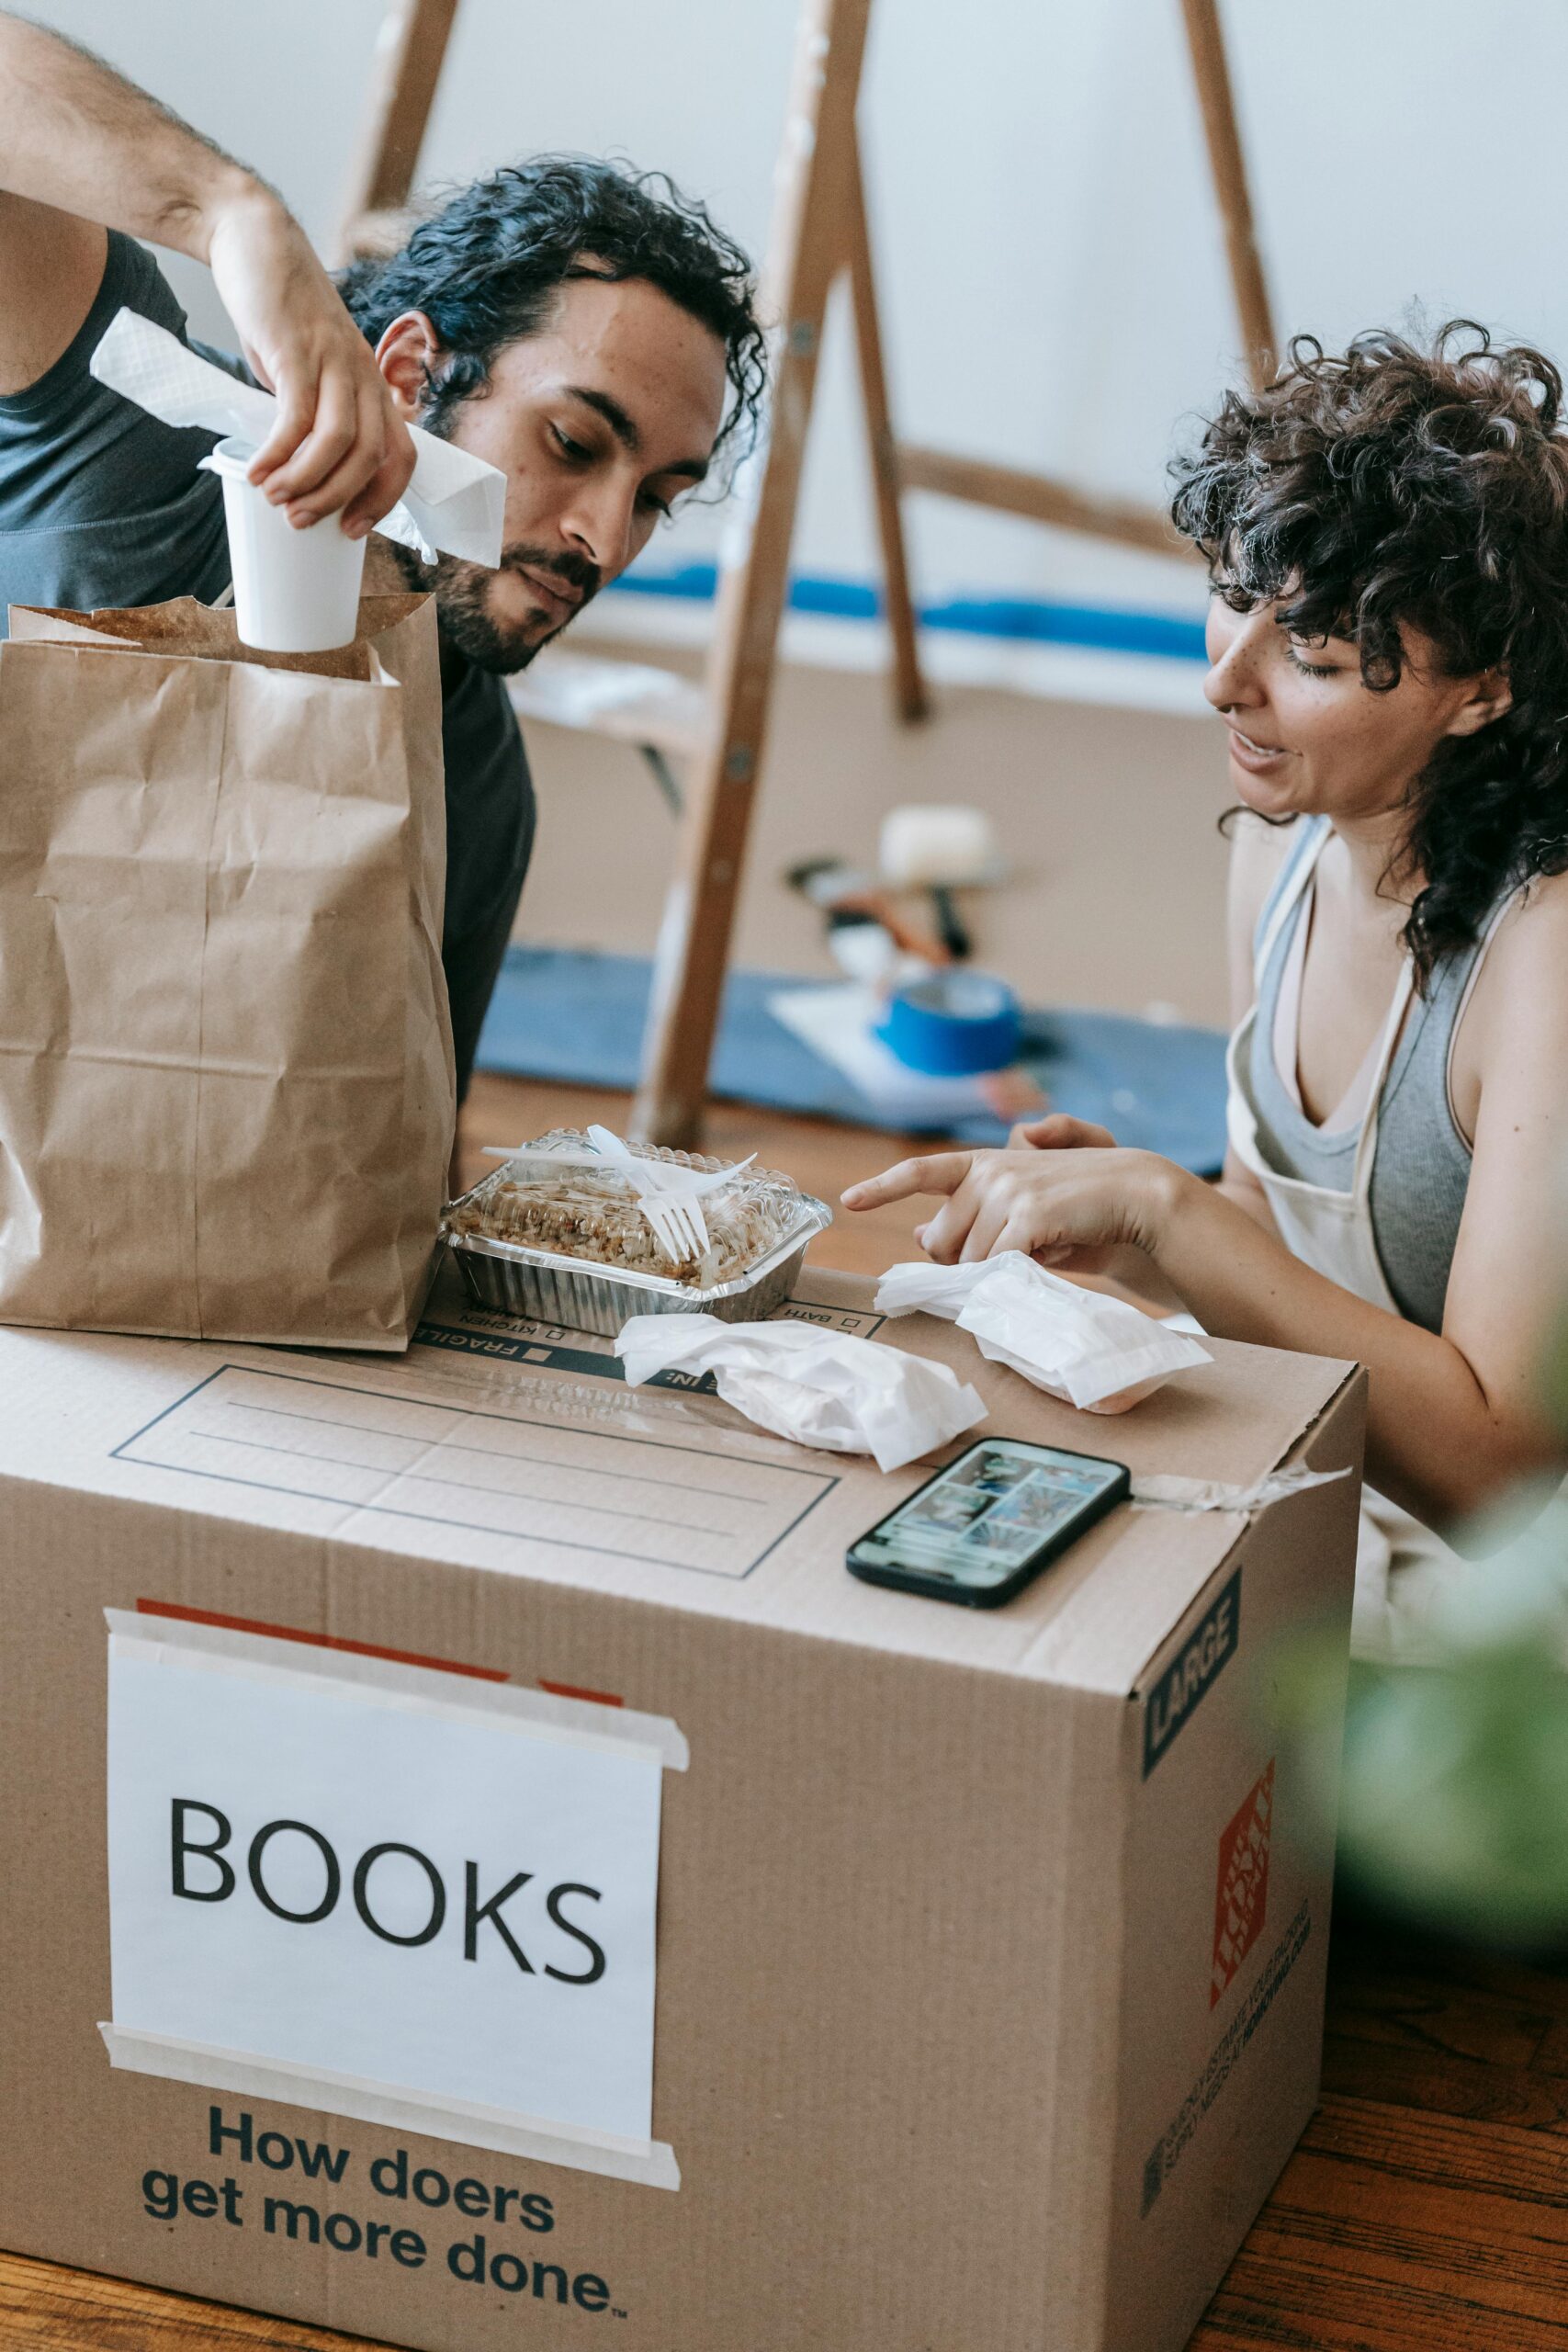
pixel 985 1527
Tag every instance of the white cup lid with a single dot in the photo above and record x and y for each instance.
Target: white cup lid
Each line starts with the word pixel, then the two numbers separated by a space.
pixel 230 459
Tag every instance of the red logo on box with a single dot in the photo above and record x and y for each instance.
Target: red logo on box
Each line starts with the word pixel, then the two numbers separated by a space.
pixel 1241 1895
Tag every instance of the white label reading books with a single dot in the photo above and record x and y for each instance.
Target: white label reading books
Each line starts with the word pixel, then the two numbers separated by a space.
pixel 385 1890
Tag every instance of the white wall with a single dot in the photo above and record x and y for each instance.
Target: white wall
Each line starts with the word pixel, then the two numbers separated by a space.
pixel 1052 287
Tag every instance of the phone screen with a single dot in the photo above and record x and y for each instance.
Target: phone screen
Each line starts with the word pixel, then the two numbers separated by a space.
pixel 987 1513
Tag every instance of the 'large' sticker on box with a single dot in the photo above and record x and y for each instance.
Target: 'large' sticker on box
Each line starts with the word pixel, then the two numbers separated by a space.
pixel 386 1891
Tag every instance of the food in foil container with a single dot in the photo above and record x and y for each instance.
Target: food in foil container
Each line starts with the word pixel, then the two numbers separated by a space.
pixel 558 1195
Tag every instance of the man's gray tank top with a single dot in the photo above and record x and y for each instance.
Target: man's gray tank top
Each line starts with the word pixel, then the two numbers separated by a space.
pixel 99 503
pixel 1421 1169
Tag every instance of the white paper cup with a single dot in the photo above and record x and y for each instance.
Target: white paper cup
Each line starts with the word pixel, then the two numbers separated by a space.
pixel 295 592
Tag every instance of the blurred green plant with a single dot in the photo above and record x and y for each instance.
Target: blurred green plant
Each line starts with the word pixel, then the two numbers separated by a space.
pixel 1453 1795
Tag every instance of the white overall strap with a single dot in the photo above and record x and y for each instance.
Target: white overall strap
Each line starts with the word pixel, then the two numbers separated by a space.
pixel 1286 903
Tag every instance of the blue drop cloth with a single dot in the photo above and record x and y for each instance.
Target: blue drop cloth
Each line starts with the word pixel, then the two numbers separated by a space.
pixel 578 1016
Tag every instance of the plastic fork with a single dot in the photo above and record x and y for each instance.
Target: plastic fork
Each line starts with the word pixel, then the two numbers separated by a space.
pixel 654 1178
pixel 688 1184
pixel 677 1222
pixel 669 1176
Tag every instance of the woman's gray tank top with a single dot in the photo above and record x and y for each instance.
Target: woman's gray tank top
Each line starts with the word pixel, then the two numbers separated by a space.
pixel 1421 1169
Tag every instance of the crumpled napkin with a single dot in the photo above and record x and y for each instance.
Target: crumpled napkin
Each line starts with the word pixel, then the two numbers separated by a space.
pixel 821 1388
pixel 1097 1352
pixel 453 501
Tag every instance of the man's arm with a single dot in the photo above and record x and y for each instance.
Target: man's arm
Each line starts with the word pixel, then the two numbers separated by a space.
pixel 82 150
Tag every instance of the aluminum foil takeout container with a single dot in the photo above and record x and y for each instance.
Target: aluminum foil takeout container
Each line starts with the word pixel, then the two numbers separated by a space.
pixel 585 1295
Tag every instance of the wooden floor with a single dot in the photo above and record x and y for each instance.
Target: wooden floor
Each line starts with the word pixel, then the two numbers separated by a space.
pixel 1425 2209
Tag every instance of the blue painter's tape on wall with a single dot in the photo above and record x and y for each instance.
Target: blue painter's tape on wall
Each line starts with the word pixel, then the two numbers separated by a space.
pixel 1030 620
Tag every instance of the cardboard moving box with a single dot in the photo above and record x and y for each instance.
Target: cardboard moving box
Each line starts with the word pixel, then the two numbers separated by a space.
pixel 479 1870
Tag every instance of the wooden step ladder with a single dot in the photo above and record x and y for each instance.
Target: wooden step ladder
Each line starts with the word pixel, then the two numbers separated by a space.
pixel 717 731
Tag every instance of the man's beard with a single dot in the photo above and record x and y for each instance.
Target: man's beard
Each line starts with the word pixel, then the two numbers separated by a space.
pixel 461 591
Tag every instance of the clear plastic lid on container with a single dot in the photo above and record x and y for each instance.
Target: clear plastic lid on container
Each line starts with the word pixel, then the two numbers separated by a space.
pixel 556 1194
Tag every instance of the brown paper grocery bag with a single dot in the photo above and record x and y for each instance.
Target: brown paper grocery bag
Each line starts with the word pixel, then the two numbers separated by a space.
pixel 226 1076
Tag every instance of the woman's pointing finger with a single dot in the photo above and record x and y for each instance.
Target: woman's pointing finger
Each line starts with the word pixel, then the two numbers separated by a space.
pixel 943 1172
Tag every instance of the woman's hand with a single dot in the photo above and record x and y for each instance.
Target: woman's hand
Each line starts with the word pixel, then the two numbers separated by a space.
pixel 1056 1132
pixel 1070 1205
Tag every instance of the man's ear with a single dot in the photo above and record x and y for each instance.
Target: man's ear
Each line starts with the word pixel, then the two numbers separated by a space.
pixel 1491 696
pixel 408 355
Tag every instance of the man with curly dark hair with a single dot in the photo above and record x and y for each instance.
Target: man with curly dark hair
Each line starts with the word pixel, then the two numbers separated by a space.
pixel 589 331
pixel 1387 535
pixel 582 326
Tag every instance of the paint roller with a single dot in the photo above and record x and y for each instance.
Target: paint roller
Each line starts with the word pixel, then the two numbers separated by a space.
pixel 932 849
pixel 866 930
pixel 941 849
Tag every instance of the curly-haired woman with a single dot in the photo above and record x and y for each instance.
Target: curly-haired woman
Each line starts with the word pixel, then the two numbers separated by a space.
pixel 1387 533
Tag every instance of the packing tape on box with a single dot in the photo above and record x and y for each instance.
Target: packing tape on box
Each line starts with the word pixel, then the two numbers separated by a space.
pixel 1167 1492
pixel 541 2141
pixel 953 1025
pixel 574 1723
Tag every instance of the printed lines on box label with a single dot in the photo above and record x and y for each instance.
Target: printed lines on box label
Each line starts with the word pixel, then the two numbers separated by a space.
pixel 534 1482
